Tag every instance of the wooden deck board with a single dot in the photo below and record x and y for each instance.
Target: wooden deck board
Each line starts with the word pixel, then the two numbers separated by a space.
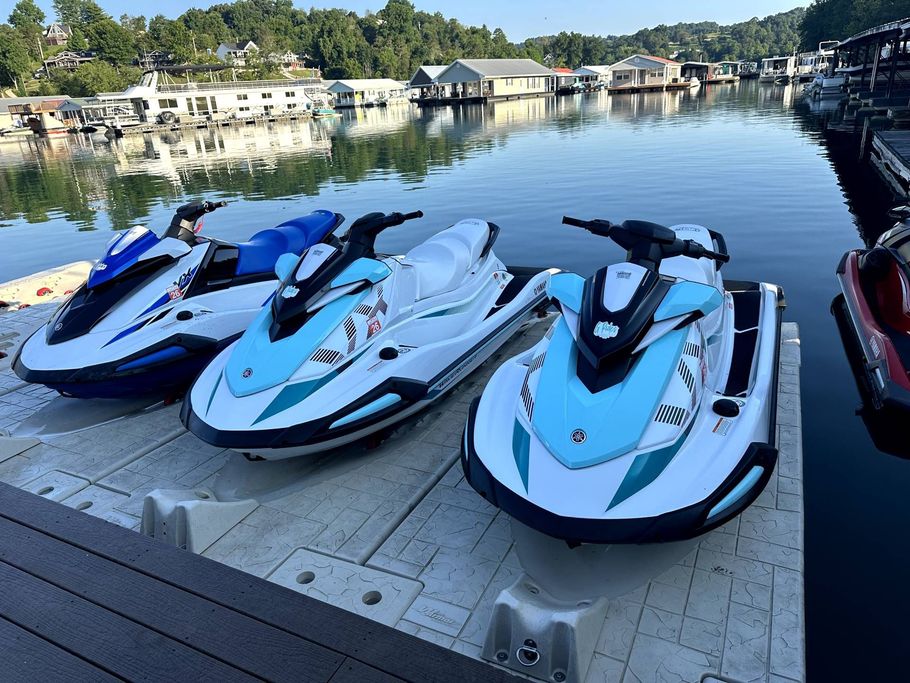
pixel 364 650
pixel 27 657
pixel 242 642
pixel 119 645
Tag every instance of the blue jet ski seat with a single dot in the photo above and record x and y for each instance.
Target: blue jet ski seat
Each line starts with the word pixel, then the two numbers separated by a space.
pixel 259 254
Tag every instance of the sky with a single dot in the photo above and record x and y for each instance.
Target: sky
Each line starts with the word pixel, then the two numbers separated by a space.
pixel 519 20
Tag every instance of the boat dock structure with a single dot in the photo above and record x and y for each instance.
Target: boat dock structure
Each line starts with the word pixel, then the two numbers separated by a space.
pixel 145 552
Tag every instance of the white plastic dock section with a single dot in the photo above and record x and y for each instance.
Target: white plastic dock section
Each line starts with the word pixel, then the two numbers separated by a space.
pixel 396 534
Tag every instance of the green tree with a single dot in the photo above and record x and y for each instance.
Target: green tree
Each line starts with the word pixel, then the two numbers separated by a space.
pixel 111 41
pixel 26 13
pixel 94 77
pixel 69 11
pixel 15 62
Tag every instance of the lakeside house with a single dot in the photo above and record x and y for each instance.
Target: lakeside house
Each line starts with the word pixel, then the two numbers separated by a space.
pixel 57 34
pixel 710 72
pixel 48 116
pixel 67 61
pixel 488 79
pixel 565 79
pixel 424 81
pixel 368 92
pixel 644 72
pixel 593 74
pixel 236 53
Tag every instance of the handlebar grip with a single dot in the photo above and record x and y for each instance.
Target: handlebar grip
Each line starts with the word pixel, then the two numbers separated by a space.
pixel 412 215
pixel 568 220
pixel 723 258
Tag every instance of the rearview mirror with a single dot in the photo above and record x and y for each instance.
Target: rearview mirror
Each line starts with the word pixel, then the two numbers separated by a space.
pixel 285 264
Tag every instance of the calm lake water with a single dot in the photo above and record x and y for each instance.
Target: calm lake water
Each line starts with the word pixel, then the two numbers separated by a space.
pixel 740 159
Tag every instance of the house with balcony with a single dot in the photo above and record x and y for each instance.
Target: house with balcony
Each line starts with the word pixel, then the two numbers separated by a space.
pixel 57 34
pixel 368 92
pixel 236 53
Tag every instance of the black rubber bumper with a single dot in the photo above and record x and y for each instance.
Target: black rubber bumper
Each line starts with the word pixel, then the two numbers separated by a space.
pixel 677 525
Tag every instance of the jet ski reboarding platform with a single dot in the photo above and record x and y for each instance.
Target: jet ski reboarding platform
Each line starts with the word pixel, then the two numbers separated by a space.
pixel 647 413
pixel 154 310
pixel 353 342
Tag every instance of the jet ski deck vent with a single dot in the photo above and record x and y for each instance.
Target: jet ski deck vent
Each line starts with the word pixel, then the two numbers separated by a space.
pixel 327 356
pixel 692 349
pixel 686 375
pixel 363 309
pixel 671 415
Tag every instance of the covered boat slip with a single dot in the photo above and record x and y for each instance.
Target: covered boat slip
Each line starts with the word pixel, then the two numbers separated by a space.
pixel 877 61
pixel 393 533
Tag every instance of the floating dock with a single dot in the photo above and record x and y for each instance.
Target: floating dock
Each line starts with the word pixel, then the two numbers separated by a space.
pixel 889 153
pixel 395 534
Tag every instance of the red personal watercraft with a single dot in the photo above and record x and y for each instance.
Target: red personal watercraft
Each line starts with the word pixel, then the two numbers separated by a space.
pixel 874 315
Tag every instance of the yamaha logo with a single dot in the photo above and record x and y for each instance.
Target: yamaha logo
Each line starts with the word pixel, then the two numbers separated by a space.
pixel 247 373
pixel 58 327
pixel 606 330
pixel 289 292
pixel 579 436
pixel 101 265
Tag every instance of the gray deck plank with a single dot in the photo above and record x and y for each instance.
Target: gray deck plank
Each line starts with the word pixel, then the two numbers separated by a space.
pixel 27 657
pixel 103 638
pixel 240 641
pixel 383 648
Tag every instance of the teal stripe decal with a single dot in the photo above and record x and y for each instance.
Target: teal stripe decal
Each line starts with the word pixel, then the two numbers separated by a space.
pixel 370 408
pixel 521 451
pixel 646 468
pixel 212 397
pixel 738 491
pixel 293 394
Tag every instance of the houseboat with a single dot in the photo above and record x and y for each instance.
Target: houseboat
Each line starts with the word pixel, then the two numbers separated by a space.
pixel 156 100
pixel 424 84
pixel 368 92
pixel 594 76
pixel 482 80
pixel 777 69
pixel 646 72
pixel 816 63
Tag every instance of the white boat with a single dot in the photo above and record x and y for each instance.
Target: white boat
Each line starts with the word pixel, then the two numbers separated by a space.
pixel 777 69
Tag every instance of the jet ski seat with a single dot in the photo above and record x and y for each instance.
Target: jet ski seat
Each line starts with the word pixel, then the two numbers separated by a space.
pixel 442 262
pixel 261 251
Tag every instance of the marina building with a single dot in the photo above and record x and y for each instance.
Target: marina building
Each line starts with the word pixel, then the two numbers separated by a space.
pixel 644 72
pixel 424 81
pixel 368 92
pixel 488 79
pixel 593 74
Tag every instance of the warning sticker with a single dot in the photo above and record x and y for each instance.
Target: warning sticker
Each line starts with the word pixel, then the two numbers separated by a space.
pixel 722 426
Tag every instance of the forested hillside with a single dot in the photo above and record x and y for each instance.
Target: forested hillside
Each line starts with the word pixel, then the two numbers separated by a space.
pixel 839 19
pixel 705 41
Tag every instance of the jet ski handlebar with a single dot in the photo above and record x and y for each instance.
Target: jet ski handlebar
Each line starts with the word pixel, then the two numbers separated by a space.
pixel 364 230
pixel 185 217
pixel 647 243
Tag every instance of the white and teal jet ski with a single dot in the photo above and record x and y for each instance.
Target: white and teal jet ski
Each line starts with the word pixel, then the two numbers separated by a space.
pixel 353 342
pixel 647 412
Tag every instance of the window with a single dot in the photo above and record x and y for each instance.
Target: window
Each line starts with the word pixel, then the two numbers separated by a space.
pixel 214 105
pixel 292 105
pixel 243 108
pixel 266 95
pixel 508 81
pixel 167 104
pixel 242 96
pixel 268 108
pixel 289 93
pixel 189 105
pixel 656 73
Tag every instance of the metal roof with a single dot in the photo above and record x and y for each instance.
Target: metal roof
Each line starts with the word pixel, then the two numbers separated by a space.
pixel 357 84
pixel 6 102
pixel 427 74
pixel 647 58
pixel 891 29
pixel 498 68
